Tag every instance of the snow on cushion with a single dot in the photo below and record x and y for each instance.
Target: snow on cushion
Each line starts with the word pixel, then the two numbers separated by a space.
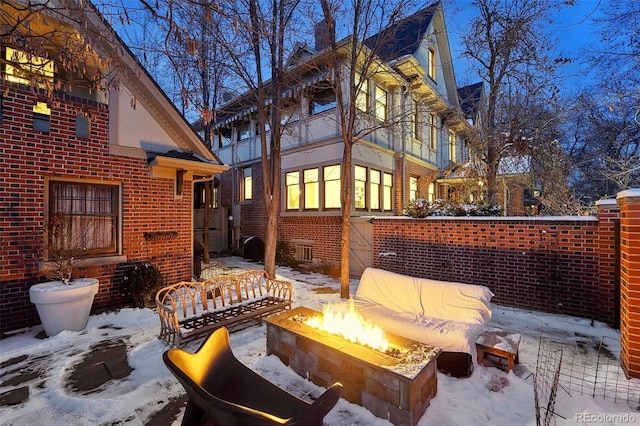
pixel 450 336
pixel 399 293
pixel 445 300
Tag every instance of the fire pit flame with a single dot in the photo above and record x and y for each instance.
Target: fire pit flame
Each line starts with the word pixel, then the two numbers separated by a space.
pixel 344 320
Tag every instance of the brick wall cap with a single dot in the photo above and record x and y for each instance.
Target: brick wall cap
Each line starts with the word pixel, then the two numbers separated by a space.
pixel 496 218
pixel 606 202
pixel 629 193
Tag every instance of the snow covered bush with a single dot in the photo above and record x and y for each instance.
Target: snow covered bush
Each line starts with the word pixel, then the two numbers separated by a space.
pixel 422 208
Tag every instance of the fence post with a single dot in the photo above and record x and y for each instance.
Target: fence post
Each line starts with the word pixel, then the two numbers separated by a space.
pixel 629 202
pixel 608 287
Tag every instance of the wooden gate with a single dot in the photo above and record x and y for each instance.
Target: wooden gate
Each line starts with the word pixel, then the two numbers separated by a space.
pixel 360 245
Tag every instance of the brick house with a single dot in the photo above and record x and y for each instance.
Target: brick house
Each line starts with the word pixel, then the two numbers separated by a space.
pixel 415 89
pixel 121 162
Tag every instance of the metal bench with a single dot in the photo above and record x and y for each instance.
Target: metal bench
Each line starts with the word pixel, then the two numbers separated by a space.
pixel 189 310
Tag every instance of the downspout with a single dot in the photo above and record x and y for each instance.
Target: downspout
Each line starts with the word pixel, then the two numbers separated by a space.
pixel 404 149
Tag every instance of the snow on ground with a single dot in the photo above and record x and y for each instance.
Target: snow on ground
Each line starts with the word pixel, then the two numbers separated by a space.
pixel 458 402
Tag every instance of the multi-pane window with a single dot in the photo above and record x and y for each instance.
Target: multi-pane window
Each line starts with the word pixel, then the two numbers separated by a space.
pixel 289 114
pixel 433 132
pixel 292 183
pixel 432 192
pixel 432 63
pixel 452 146
pixel 417 123
pixel 374 189
pixel 331 181
pixel 244 131
pixel 246 184
pixel 82 218
pixel 311 189
pixel 381 103
pixel 362 97
pixel 41 117
pixel 360 185
pixel 28 69
pixel 387 191
pixel 322 101
pixel 413 188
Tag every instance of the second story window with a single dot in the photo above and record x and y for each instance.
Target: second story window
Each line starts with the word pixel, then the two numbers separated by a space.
pixel 82 126
pixel 452 147
pixel 433 132
pixel 381 103
pixel 417 122
pixel 246 185
pixel 322 101
pixel 362 94
pixel 244 131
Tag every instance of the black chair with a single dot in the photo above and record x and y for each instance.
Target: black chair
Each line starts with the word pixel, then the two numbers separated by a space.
pixel 222 389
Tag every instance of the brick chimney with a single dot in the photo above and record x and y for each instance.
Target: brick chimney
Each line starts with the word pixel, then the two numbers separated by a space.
pixel 321 33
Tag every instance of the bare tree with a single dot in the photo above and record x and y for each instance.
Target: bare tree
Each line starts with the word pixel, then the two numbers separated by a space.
pixel 512 53
pixel 354 60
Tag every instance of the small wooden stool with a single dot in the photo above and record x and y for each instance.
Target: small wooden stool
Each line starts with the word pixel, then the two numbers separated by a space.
pixel 501 344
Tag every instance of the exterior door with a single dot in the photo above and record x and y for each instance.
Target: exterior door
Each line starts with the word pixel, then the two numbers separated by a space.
pixel 360 245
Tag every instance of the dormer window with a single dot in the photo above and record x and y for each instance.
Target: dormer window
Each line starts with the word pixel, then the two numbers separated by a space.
pixel 28 69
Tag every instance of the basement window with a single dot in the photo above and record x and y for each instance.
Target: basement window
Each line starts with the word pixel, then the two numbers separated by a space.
pixel 304 250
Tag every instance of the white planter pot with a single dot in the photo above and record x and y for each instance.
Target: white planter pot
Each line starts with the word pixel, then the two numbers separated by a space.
pixel 64 307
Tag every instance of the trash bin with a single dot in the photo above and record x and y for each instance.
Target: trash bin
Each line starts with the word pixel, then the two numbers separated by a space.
pixel 253 248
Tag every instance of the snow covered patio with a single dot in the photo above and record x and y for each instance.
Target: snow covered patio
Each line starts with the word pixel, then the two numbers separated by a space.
pixel 149 394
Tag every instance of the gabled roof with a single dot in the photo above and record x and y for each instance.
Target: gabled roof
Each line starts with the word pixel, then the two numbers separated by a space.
pixel 146 88
pixel 404 37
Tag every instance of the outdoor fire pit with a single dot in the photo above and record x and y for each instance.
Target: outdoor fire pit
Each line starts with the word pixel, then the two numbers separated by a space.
pixel 396 385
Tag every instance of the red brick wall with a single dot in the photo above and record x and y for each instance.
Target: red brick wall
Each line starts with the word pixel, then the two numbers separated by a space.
pixel 629 202
pixel 548 265
pixel 324 231
pixel 27 157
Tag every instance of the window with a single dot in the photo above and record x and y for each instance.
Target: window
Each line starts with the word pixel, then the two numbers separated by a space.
pixel 304 250
pixel 311 189
pixel 82 126
pixel 387 191
pixel 374 189
pixel 322 101
pixel 41 117
pixel 432 63
pixel 244 131
pixel 246 186
pixel 417 123
pixel 292 182
pixel 433 130
pixel 362 97
pixel 331 180
pixel 413 188
pixel 83 217
pixel 289 114
pixel 432 192
pixel 224 137
pixel 27 69
pixel 381 103
pixel 452 147
pixel 360 183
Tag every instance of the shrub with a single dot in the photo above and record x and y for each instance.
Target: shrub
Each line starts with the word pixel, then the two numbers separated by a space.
pixel 422 208
pixel 140 282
